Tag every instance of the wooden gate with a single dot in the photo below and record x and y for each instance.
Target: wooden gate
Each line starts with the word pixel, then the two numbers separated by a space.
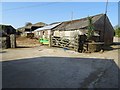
pixel 78 43
pixel 65 42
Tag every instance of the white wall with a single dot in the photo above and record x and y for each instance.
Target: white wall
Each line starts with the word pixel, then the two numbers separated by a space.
pixel 49 32
pixel 71 33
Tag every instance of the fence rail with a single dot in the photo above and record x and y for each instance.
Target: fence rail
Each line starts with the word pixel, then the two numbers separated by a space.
pixel 65 42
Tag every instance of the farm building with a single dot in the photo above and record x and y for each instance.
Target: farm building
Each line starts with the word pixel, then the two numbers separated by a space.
pixel 45 31
pixel 37 25
pixel 7 36
pixel 25 31
pixel 103 28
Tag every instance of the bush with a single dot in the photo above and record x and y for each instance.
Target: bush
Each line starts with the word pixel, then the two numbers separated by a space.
pixel 117 32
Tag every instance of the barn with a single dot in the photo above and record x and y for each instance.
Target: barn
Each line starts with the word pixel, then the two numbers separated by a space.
pixel 102 28
pixel 27 30
pixel 45 31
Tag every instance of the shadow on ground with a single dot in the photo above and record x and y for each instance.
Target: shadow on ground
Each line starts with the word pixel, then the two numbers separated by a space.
pixel 116 43
pixel 110 48
pixel 60 72
pixel 23 47
pixel 3 52
pixel 114 46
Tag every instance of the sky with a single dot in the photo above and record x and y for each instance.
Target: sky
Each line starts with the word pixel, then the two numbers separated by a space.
pixel 18 13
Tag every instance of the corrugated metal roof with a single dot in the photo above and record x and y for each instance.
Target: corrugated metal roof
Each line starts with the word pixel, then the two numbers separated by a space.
pixel 47 27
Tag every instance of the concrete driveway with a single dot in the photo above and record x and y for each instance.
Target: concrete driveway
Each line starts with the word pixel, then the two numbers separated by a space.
pixel 59 72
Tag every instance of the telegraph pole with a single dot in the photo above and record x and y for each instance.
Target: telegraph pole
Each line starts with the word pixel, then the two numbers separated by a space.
pixel 105 20
pixel 106 7
pixel 71 15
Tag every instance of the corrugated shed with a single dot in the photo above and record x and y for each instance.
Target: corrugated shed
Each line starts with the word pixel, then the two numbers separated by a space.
pixel 47 27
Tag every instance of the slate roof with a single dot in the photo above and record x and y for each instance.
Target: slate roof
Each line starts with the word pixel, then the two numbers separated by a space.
pixel 77 24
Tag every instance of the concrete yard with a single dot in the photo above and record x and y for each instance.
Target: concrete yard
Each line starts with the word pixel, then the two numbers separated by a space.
pixel 59 72
pixel 44 67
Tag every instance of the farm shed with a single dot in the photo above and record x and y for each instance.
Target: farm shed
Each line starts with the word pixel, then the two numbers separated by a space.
pixel 38 25
pixel 79 26
pixel 23 31
pixel 26 30
pixel 7 36
pixel 45 31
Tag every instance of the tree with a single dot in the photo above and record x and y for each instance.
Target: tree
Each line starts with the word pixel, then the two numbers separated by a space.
pixel 117 31
pixel 28 24
pixel 90 28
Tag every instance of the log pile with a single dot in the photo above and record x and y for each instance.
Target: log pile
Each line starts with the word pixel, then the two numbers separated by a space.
pixel 95 47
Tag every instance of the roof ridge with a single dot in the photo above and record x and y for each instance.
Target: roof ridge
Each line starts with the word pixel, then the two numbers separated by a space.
pixel 83 18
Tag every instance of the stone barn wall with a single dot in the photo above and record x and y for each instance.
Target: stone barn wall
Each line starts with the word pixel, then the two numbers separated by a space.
pixel 5 42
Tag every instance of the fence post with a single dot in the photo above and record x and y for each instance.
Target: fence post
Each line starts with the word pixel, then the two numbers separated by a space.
pixel 76 45
pixel 13 41
pixel 50 40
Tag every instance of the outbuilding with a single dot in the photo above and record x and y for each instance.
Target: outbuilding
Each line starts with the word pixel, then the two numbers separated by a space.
pixel 102 27
pixel 45 31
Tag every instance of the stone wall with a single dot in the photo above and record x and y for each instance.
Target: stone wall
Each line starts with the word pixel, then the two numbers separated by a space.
pixel 13 41
pixel 4 42
pixel 8 42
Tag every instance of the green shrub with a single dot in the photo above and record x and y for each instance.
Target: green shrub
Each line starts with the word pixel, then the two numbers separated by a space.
pixel 90 28
pixel 117 32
